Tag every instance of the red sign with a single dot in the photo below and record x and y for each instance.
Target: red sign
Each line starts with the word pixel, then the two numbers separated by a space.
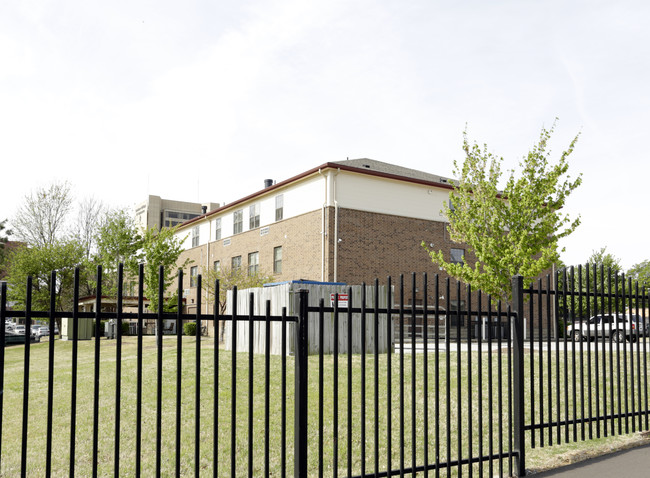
pixel 343 300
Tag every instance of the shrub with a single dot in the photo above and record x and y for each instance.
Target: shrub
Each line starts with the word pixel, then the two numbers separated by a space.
pixel 189 328
pixel 102 324
pixel 125 328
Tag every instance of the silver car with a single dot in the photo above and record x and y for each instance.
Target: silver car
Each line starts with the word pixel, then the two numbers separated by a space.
pixel 644 324
pixel 618 328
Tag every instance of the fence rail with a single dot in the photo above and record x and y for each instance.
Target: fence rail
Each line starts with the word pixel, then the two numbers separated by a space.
pixel 462 397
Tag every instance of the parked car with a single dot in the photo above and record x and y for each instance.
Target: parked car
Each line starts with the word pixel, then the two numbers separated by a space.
pixel 644 324
pixel 43 331
pixel 618 328
pixel 12 337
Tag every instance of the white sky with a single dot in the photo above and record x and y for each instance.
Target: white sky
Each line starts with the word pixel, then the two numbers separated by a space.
pixel 202 100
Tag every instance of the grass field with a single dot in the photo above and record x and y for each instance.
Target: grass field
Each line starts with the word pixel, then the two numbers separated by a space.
pixel 458 430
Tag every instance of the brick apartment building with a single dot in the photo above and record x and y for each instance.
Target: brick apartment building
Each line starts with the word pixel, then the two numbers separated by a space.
pixel 349 221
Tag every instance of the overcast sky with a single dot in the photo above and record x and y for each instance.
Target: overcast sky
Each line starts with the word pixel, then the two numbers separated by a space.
pixel 201 100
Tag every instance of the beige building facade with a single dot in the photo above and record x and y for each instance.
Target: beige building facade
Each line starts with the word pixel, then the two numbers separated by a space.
pixel 156 212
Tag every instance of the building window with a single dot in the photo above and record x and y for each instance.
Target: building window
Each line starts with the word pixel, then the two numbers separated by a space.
pixel 217 227
pixel 253 263
pixel 456 319
pixel 454 304
pixel 173 218
pixel 195 236
pixel 238 221
pixel 254 215
pixel 277 260
pixel 279 207
pixel 131 288
pixel 236 263
pixel 457 256
pixel 217 266
pixel 194 276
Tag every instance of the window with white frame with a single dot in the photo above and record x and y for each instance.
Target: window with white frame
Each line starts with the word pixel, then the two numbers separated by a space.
pixel 217 266
pixel 254 216
pixel 131 288
pixel 217 229
pixel 452 208
pixel 277 260
pixel 194 276
pixel 279 207
pixel 253 263
pixel 455 304
pixel 238 221
pixel 235 263
pixel 195 236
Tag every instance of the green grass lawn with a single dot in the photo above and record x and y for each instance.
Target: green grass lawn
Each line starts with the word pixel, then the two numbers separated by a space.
pixel 461 428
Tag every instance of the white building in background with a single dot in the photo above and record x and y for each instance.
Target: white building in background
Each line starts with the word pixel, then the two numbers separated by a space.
pixel 157 213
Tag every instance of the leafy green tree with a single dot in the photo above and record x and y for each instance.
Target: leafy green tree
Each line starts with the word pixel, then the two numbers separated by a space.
pixel 641 272
pixel 606 259
pixel 4 237
pixel 510 232
pixel 598 277
pixel 228 278
pixel 117 240
pixel 39 262
pixel 43 220
pixel 4 233
pixel 161 248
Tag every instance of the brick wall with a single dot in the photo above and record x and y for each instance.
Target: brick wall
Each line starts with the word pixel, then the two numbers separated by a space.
pixel 299 237
pixel 378 245
pixel 370 245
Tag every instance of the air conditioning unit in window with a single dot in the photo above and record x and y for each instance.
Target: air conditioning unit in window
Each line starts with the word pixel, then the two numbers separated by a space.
pixel 186 292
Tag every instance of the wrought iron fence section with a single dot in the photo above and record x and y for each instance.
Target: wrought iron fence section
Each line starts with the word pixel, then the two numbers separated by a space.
pixel 468 395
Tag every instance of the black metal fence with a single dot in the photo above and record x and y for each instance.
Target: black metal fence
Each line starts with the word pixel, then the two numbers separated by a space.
pixel 457 399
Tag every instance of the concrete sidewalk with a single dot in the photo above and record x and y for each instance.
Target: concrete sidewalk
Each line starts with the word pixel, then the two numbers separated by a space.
pixel 632 462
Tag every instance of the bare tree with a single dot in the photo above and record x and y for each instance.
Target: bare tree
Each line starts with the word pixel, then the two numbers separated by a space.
pixel 89 218
pixel 228 278
pixel 41 220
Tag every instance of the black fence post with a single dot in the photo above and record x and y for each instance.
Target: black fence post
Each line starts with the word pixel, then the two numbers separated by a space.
pixel 300 419
pixel 3 315
pixel 519 446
